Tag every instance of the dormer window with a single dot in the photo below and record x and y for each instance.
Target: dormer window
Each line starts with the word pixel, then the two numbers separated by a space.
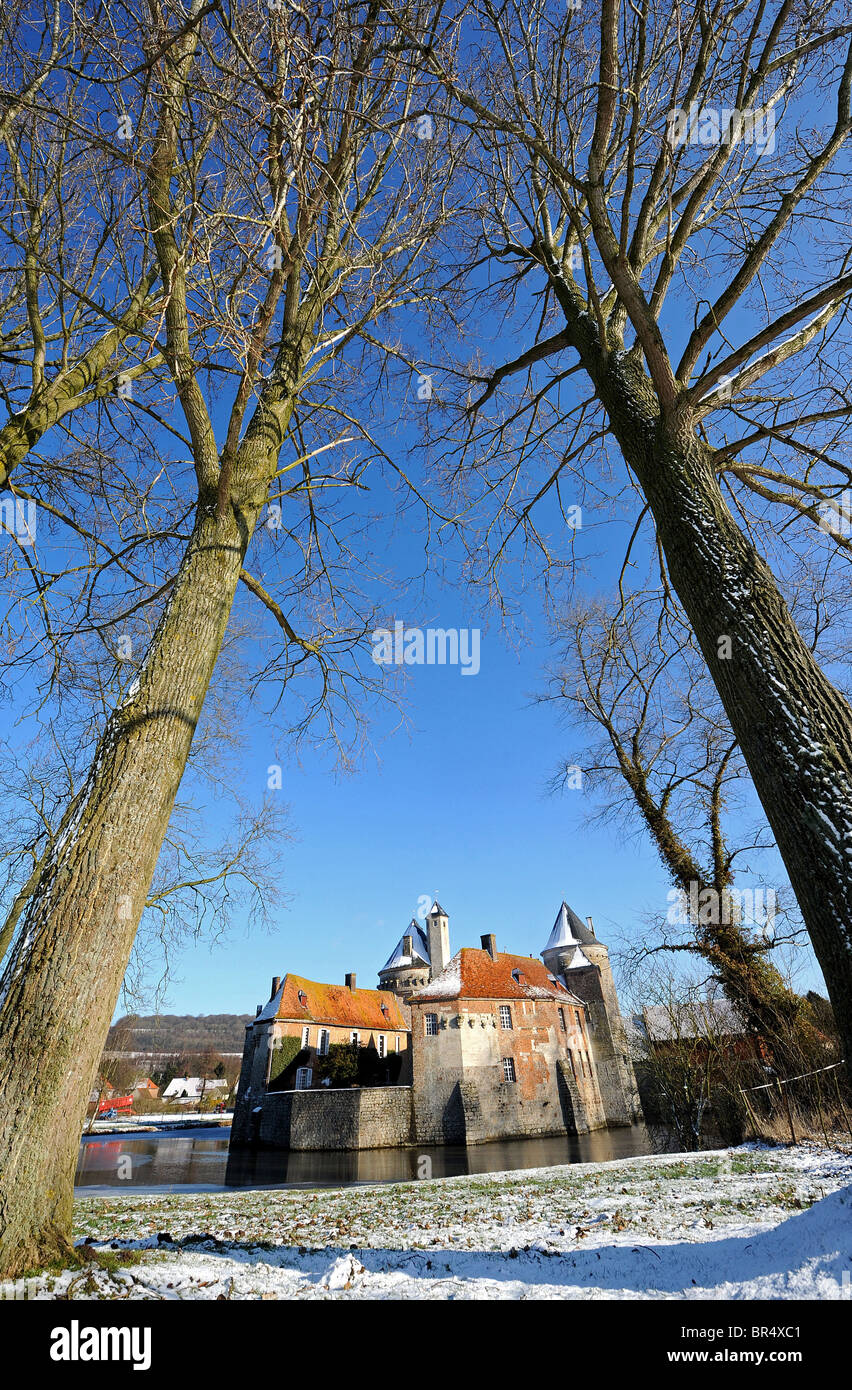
pixel 303 998
pixel 518 976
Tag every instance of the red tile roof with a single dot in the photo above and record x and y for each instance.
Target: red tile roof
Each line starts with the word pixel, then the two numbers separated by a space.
pixel 336 1004
pixel 474 974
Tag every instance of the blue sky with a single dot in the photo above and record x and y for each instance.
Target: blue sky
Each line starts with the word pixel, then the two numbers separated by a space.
pixel 456 806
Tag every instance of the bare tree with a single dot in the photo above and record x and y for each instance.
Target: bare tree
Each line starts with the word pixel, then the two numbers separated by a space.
pixel 664 210
pixel 660 754
pixel 281 195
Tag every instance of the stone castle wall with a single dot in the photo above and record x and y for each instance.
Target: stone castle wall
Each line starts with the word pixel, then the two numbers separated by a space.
pixel 595 986
pixel 374 1117
pixel 461 1095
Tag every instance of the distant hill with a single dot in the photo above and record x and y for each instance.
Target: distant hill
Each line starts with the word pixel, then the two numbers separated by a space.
pixel 178 1033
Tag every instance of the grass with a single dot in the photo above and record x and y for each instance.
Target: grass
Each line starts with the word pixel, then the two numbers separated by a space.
pixel 670 1198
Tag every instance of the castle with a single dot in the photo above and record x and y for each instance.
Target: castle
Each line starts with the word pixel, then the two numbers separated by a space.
pixel 450 1049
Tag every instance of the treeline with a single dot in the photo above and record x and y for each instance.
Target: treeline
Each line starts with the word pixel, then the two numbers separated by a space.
pixel 178 1033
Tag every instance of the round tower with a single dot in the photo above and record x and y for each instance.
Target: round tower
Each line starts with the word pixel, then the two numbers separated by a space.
pixel 407 966
pixel 574 953
pixel 569 943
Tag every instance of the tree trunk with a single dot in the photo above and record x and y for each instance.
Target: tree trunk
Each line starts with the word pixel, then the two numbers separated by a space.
pixel 750 981
pixel 59 989
pixel 793 726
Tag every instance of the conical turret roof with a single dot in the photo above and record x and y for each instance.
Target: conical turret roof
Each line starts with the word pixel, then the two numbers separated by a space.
pixel 568 930
pixel 419 942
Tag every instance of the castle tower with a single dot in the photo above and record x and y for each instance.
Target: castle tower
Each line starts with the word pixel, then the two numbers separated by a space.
pixel 574 954
pixel 438 931
pixel 408 963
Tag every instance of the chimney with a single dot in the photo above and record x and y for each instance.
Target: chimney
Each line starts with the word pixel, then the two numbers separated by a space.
pixel 350 981
pixel 590 925
pixel 408 945
pixel 438 935
pixel 489 944
pixel 276 982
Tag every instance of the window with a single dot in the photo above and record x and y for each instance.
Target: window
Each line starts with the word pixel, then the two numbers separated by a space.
pixel 583 1063
pixel 431 1025
pixel 324 1039
pixel 355 1038
pixel 509 1069
pixel 306 1037
pixel 304 1077
pixel 562 1023
pixel 505 1018
pixel 382 1045
pixel 573 1063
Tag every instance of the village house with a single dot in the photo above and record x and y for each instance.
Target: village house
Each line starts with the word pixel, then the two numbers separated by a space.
pixel 460 1048
pixel 145 1086
pixel 185 1089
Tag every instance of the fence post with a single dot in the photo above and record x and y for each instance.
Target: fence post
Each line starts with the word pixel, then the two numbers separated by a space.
pixel 750 1113
pixel 843 1109
pixel 786 1099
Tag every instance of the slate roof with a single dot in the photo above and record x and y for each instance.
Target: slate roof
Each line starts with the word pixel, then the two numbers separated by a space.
pixel 568 930
pixel 420 943
pixel 335 1004
pixel 474 974
pixel 577 958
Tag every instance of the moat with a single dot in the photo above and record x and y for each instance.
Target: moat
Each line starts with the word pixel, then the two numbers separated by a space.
pixel 198 1160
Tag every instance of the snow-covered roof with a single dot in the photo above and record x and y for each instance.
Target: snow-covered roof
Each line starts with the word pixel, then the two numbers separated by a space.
pixel 447 985
pixel 476 974
pixel 191 1087
pixel 270 1009
pixel 568 930
pixel 699 1018
pixel 576 958
pixel 399 956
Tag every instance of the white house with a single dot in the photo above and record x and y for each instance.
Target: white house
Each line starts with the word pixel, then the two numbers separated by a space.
pixel 188 1088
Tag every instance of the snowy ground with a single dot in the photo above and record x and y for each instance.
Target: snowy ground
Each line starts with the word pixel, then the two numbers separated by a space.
pixel 144 1123
pixel 753 1222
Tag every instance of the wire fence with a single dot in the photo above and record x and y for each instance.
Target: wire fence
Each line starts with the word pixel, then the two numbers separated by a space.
pixel 800 1100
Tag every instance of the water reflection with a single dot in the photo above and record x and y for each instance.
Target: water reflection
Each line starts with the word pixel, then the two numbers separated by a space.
pixel 195 1159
